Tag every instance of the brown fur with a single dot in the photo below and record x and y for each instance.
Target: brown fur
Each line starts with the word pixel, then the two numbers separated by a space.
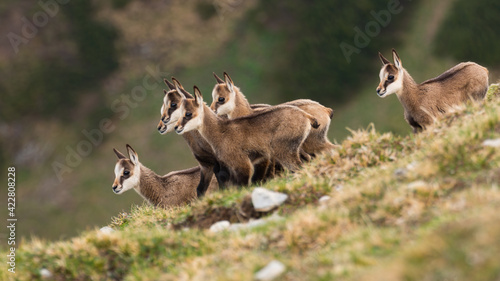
pixel 316 142
pixel 260 137
pixel 424 102
pixel 173 189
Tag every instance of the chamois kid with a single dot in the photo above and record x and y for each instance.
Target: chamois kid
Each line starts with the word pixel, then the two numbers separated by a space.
pixel 201 149
pixel 227 99
pixel 424 102
pixel 277 133
pixel 173 189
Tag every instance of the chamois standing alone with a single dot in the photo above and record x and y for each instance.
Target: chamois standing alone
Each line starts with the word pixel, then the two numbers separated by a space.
pixel 240 143
pixel 227 99
pixel 173 189
pixel 424 102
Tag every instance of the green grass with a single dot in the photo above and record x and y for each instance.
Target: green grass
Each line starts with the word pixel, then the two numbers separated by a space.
pixel 402 208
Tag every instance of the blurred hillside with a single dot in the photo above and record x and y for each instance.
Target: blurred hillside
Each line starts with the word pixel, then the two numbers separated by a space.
pixel 89 78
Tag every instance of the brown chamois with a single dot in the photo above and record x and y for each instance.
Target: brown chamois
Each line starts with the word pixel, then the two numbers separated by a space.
pixel 173 189
pixel 425 102
pixel 201 149
pixel 227 99
pixel 277 133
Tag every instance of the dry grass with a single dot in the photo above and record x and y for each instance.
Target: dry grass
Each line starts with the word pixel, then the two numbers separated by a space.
pixel 422 207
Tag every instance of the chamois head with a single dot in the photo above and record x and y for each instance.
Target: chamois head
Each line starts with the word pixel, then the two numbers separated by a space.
pixel 171 103
pixel 391 76
pixel 223 95
pixel 127 171
pixel 191 113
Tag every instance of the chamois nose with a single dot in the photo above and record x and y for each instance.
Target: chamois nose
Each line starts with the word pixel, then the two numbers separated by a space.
pixel 378 90
pixel 176 127
pixel 163 118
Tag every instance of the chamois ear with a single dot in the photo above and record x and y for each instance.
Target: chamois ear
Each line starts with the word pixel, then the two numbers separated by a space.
pixel 229 82
pixel 132 155
pixel 165 91
pixel 184 94
pixel 198 98
pixel 176 82
pixel 397 60
pixel 119 154
pixel 227 78
pixel 383 59
pixel 219 81
pixel 169 84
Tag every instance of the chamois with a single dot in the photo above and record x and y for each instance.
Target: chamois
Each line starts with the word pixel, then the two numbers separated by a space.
pixel 424 102
pixel 173 189
pixel 239 143
pixel 227 99
pixel 200 148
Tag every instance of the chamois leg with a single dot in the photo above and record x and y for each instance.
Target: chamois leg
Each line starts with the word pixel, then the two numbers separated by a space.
pixel 206 173
pixel 292 161
pixel 222 175
pixel 243 173
pixel 261 170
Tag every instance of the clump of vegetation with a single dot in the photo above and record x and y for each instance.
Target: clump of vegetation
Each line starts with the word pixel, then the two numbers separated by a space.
pixel 424 206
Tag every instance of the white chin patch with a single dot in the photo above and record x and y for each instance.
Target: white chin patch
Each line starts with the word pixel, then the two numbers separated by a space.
pixel 394 87
pixel 226 109
pixel 132 182
pixel 193 124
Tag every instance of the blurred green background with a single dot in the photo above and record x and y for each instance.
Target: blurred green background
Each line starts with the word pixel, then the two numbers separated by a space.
pixel 64 68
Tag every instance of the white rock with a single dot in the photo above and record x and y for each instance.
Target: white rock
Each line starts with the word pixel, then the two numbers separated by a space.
pixel 237 226
pixel 45 273
pixel 255 223
pixel 274 217
pixel 492 143
pixel 220 226
pixel 264 200
pixel 416 185
pixel 106 230
pixel 271 271
pixel 324 199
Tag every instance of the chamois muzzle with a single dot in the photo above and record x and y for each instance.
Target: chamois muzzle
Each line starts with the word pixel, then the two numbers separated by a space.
pixel 161 127
pixel 117 189
pixel 178 129
pixel 380 93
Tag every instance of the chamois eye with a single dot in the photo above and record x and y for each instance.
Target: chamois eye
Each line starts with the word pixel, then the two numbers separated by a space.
pixel 221 99
pixel 173 105
pixel 126 173
pixel 390 77
pixel 189 114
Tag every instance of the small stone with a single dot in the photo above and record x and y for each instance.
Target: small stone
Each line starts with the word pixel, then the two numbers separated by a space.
pixel 400 173
pixel 237 226
pixel 324 199
pixel 271 271
pixel 106 230
pixel 255 223
pixel 45 273
pixel 339 187
pixel 264 200
pixel 219 226
pixel 416 185
pixel 492 143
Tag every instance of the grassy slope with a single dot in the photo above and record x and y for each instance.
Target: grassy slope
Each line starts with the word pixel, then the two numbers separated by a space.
pixel 416 207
